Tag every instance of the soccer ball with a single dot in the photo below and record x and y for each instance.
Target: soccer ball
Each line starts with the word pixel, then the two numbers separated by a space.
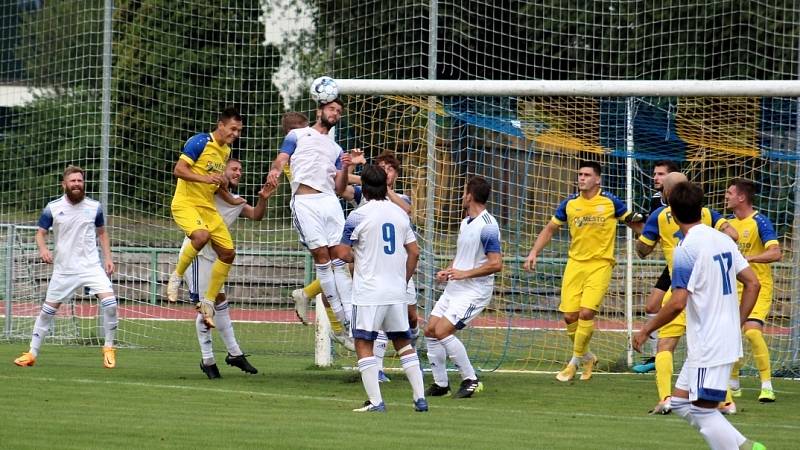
pixel 324 90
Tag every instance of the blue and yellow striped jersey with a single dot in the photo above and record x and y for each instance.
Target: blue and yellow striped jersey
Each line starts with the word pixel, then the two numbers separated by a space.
pixel 205 156
pixel 756 233
pixel 592 225
pixel 660 226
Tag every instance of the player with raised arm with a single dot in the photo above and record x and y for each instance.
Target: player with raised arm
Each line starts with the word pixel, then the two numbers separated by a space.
pixel 385 253
pixel 592 216
pixel 662 228
pixel 78 224
pixel 469 289
pixel 200 172
pixel 653 303
pixel 230 207
pixel 319 173
pixel 759 245
pixel 706 266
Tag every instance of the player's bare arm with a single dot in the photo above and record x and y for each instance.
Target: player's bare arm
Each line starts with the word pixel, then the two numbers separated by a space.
pixel 771 254
pixel 105 247
pixel 493 264
pixel 730 231
pixel 750 290
pixel 399 201
pixel 341 175
pixel 643 249
pixel 41 242
pixel 257 212
pixel 277 167
pixel 184 172
pixel 667 313
pixel 541 242
pixel 412 249
pixel 229 198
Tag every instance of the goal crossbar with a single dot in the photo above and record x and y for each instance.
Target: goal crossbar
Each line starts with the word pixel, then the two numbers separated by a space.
pixel 587 88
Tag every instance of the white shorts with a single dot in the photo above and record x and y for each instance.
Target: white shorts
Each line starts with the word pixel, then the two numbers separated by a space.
pixel 459 311
pixel 63 285
pixel 705 383
pixel 367 320
pixel 411 293
pixel 318 219
pixel 197 276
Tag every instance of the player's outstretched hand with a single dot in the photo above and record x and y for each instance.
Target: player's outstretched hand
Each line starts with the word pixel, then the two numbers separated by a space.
pixel 530 262
pixel 46 256
pixel 109 266
pixel 639 339
pixel 635 218
pixel 267 190
pixel 441 276
pixel 346 159
pixel 357 156
pixel 272 177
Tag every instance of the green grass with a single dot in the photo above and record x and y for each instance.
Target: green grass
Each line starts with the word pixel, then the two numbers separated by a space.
pixel 160 399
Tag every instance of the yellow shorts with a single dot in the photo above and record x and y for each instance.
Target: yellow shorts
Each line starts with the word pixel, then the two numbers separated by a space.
pixel 677 327
pixel 584 285
pixel 192 218
pixel 763 304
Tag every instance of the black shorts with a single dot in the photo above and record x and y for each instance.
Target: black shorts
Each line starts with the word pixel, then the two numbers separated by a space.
pixel 664 281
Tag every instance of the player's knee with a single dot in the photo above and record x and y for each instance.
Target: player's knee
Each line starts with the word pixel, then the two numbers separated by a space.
pixel 199 238
pixel 570 317
pixel 226 255
pixel 586 314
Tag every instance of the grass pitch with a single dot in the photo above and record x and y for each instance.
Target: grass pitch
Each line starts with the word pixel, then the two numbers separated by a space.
pixel 160 399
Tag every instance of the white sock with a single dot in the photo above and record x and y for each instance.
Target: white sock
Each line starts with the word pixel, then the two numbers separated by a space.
pixel 575 360
pixel 437 358
pixel 716 430
pixel 766 384
pixel 328 284
pixel 344 286
pixel 458 354
pixel 379 348
pixel 733 384
pixel 410 363
pixel 110 321
pixel 41 327
pixel 204 338
pixel 225 328
pixel 369 377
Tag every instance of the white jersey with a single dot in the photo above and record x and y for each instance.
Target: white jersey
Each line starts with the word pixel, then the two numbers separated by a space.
pixel 706 263
pixel 314 159
pixel 74 233
pixel 476 237
pixel 378 232
pixel 229 215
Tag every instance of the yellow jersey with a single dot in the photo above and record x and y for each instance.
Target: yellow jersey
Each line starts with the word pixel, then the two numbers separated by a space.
pixel 205 156
pixel 661 227
pixel 756 233
pixel 592 225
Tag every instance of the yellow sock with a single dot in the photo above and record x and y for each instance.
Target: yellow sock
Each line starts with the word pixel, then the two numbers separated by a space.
pixel 728 396
pixel 664 374
pixel 582 337
pixel 187 255
pixel 219 273
pixel 737 366
pixel 571 328
pixel 313 289
pixel 335 325
pixel 760 353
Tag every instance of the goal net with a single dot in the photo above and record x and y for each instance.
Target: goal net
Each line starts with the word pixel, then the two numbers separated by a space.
pixel 119 90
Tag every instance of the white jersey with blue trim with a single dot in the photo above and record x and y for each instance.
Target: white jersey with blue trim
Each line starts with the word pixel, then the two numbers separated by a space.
pixel 74 233
pixel 706 263
pixel 313 158
pixel 378 232
pixel 477 237
pixel 229 215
